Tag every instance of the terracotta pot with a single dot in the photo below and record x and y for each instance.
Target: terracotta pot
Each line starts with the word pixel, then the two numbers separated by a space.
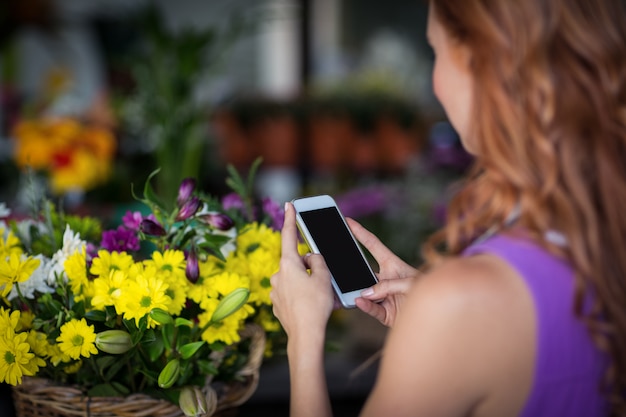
pixel 277 140
pixel 330 138
pixel 397 145
pixel 234 146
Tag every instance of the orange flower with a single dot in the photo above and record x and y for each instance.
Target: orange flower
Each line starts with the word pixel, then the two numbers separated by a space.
pixel 72 154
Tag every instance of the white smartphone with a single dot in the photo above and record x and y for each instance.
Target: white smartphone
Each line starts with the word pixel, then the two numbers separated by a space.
pixel 326 232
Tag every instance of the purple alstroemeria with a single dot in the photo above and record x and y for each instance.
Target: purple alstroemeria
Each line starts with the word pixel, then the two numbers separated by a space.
pixel 132 220
pixel 152 228
pixel 217 220
pixel 232 200
pixel 192 270
pixel 363 202
pixel 275 212
pixel 186 189
pixel 120 240
pixel 188 209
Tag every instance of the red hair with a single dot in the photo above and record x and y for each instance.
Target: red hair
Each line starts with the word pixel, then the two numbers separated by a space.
pixel 550 136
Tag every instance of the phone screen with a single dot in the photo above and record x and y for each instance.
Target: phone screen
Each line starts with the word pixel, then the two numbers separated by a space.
pixel 335 243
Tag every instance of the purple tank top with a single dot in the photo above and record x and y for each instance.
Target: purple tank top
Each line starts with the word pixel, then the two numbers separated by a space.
pixel 568 367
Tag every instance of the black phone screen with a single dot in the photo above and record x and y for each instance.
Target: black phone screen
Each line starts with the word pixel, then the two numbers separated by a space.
pixel 334 242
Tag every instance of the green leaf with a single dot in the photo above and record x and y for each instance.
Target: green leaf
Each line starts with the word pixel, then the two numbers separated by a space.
pixel 113 389
pixel 104 361
pixel 190 349
pixel 149 336
pixel 207 367
pixel 183 322
pixel 114 369
pixel 96 315
pixel 150 198
pixel 154 349
pixel 167 333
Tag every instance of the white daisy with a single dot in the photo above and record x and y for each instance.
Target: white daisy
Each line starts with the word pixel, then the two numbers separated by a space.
pixel 71 244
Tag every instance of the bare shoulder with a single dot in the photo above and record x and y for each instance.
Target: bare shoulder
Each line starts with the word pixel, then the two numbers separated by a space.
pixel 466 332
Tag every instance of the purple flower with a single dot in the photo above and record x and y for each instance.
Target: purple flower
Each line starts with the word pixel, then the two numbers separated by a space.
pixel 152 228
pixel 188 209
pixel 120 240
pixel 363 202
pixel 275 212
pixel 217 220
pixel 192 270
pixel 185 191
pixel 232 200
pixel 132 220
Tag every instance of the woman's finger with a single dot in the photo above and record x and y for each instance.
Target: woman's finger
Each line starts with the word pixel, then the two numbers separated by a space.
pixel 289 233
pixel 387 287
pixel 370 241
pixel 373 309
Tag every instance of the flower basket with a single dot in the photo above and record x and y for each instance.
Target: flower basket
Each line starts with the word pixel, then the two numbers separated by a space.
pixel 39 397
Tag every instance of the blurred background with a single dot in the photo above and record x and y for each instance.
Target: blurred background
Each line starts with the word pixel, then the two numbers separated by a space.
pixel 334 95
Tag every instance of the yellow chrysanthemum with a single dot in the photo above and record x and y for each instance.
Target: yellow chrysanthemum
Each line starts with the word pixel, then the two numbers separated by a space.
pixel 73 368
pixel 177 288
pixel 9 245
pixel 9 320
pixel 203 288
pixel 260 265
pixel 26 321
pixel 170 262
pixel 267 320
pixel 77 339
pixel 56 355
pixel 227 330
pixel 139 297
pixel 16 269
pixel 226 282
pixel 111 261
pixel 303 248
pixel 107 290
pixel 258 235
pixel 76 270
pixel 38 342
pixel 16 360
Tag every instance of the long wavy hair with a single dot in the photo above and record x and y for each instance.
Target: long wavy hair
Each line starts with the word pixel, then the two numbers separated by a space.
pixel 549 133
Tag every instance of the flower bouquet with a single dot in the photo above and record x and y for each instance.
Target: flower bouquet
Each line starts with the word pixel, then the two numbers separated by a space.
pixel 164 315
pixel 73 155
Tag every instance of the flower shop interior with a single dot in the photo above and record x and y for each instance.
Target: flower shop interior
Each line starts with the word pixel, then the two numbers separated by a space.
pixel 107 104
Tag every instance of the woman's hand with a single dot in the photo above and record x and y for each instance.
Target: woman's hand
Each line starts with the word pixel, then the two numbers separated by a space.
pixel 395 278
pixel 302 300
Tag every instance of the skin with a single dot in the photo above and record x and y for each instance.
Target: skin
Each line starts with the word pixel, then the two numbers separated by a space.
pixel 462 336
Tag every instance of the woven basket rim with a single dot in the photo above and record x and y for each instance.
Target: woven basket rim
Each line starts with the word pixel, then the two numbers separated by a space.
pixel 36 395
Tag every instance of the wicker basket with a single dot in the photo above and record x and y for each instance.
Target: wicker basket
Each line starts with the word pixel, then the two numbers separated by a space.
pixel 37 397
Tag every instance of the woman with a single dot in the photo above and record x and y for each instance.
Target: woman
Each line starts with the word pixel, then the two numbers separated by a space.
pixel 525 312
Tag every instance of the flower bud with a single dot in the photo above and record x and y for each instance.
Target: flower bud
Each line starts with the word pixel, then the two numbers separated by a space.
pixel 115 342
pixel 217 220
pixel 152 228
pixel 160 316
pixel 230 303
pixel 185 191
pixel 169 374
pixel 192 401
pixel 192 270
pixel 188 209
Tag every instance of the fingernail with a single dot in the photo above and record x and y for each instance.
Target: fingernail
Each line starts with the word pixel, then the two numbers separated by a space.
pixel 286 206
pixel 367 292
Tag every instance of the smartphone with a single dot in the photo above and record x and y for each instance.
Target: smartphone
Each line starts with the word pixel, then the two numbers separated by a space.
pixel 326 232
